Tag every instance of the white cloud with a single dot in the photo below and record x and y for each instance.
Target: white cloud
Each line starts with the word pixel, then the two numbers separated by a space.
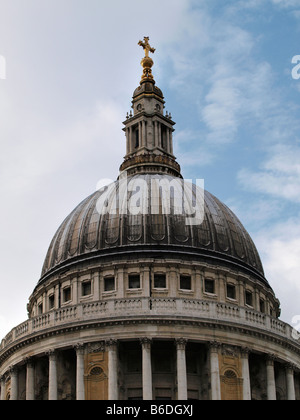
pixel 256 212
pixel 71 71
pixel 215 62
pixel 286 3
pixel 280 249
pixel 279 175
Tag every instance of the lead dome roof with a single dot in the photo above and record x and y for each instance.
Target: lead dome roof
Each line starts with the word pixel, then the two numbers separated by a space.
pixel 89 231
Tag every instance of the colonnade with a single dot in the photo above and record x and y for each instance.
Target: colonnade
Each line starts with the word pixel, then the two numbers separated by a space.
pixel 159 136
pixel 111 347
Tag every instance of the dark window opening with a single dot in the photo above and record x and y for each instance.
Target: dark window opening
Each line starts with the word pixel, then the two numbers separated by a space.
pixel 109 284
pixel 67 294
pixel 231 291
pixel 86 288
pixel 249 298
pixel 160 281
pixel 185 282
pixel 137 138
pixel 134 281
pixel 51 302
pixel 209 286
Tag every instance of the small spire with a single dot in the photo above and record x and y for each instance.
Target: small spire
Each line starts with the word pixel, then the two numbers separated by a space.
pixel 147 62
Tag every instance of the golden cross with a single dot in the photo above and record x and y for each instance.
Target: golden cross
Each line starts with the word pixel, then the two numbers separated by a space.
pixel 146 46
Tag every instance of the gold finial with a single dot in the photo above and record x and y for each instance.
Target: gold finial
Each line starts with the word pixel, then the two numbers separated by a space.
pixel 146 46
pixel 147 61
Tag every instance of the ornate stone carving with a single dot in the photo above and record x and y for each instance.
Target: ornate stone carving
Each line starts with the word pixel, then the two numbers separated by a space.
pixel 13 370
pixel 111 344
pixel 229 351
pixel 214 346
pixel 97 347
pixel 245 351
pixel 146 342
pixel 181 343
pixel 51 353
pixel 270 359
pixel 29 361
pixel 79 348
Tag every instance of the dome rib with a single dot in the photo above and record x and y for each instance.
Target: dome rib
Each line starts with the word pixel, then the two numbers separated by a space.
pixel 221 231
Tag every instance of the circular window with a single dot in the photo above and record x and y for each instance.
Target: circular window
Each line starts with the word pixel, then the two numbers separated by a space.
pixel 96 371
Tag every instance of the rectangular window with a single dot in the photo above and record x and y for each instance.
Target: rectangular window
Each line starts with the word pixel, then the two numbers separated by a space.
pixel 185 283
pixel 86 288
pixel 209 286
pixel 109 284
pixel 249 298
pixel 262 306
pixel 160 281
pixel 51 302
pixel 67 294
pixel 231 291
pixel 134 281
pixel 40 309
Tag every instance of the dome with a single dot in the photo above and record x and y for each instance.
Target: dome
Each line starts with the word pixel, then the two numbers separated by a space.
pixel 100 224
pixel 148 88
pixel 151 289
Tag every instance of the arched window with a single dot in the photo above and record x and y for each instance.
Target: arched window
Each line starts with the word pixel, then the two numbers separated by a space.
pixel 230 374
pixel 231 386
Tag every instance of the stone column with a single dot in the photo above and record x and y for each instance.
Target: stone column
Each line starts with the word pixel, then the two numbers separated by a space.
pixel 215 372
pixel 271 386
pixel 246 374
pixel 30 380
pixel 140 134
pixel 127 140
pixel 14 383
pixel 112 346
pixel 146 368
pixel 181 369
pixel 171 142
pixel 52 376
pixel 130 141
pixel 290 382
pixel 3 386
pixel 80 390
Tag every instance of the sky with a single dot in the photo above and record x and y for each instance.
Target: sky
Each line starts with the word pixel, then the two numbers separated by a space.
pixel 68 69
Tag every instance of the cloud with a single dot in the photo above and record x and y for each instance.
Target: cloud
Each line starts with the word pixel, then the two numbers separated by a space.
pixel 286 3
pixel 257 212
pixel 279 175
pixel 279 248
pixel 71 70
pixel 215 62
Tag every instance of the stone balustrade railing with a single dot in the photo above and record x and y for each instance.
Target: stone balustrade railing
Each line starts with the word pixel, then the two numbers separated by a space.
pixel 125 308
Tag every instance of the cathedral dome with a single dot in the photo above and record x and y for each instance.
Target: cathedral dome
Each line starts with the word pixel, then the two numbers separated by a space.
pixel 100 225
pixel 151 289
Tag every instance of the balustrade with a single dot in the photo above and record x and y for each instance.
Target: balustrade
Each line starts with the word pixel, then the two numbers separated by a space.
pixel 148 306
